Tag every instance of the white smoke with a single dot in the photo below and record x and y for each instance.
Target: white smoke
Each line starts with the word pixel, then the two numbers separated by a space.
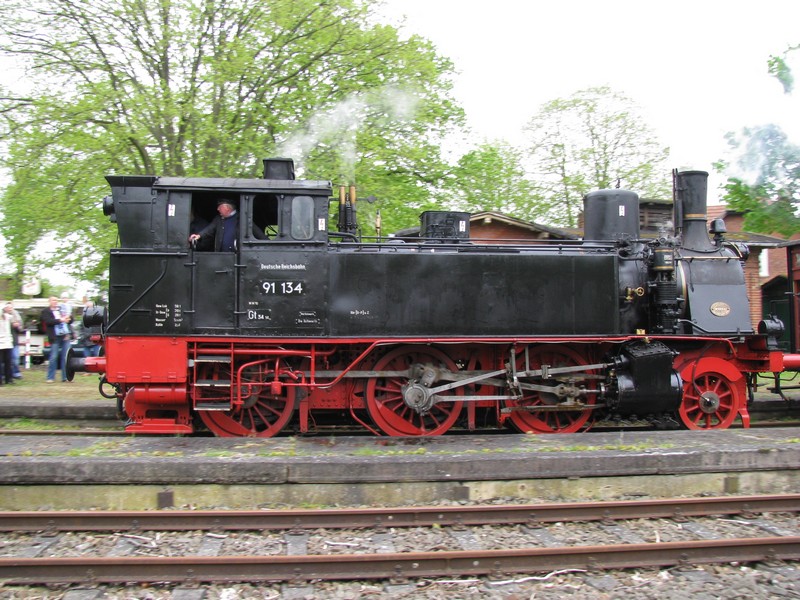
pixel 336 128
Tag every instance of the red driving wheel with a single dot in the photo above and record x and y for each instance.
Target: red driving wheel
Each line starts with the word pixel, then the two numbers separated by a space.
pixel 389 397
pixel 524 414
pixel 263 413
pixel 713 394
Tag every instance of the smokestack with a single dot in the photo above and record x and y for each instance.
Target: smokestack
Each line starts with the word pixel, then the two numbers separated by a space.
pixel 691 189
pixel 279 168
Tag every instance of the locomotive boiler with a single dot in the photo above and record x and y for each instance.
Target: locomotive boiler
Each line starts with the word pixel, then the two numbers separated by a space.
pixel 317 327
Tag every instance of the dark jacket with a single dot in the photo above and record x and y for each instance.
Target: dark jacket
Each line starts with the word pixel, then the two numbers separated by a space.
pixel 49 321
pixel 213 236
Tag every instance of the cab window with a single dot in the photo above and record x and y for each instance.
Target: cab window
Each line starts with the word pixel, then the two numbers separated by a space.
pixel 265 214
pixel 302 218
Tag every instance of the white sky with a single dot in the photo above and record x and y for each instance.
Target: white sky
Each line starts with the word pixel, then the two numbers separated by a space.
pixel 698 69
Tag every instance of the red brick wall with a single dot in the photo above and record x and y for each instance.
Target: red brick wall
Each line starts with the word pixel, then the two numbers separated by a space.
pixel 497 230
pixel 752 280
pixel 494 231
pixel 778 261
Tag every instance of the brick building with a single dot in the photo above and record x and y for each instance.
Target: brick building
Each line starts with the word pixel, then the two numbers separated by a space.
pixel 496 227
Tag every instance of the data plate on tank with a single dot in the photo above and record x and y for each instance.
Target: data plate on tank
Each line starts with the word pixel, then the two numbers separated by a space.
pixel 283 291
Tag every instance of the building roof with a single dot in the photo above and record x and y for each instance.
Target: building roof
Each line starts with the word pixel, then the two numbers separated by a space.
pixel 487 217
pixel 756 240
pixel 553 232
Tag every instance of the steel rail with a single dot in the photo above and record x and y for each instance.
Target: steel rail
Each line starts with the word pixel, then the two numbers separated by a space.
pixel 532 514
pixel 19 571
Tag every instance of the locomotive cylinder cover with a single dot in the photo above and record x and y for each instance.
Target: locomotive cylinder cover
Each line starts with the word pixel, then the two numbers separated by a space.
pixel 645 378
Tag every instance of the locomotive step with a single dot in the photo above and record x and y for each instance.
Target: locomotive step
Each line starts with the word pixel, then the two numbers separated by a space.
pixel 221 406
pixel 213 383
pixel 222 358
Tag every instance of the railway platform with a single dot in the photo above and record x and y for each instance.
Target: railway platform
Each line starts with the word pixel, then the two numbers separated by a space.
pixel 52 472
pixel 92 408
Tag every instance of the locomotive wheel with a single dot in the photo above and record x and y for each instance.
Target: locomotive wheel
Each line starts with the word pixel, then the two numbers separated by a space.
pixel 548 421
pixel 712 395
pixel 263 414
pixel 387 405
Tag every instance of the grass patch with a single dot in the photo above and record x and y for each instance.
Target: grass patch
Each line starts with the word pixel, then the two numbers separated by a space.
pixel 27 424
pixel 382 452
pixel 104 448
pixel 33 385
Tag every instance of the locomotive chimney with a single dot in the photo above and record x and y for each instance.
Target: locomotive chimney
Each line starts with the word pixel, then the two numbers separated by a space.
pixel 278 168
pixel 691 188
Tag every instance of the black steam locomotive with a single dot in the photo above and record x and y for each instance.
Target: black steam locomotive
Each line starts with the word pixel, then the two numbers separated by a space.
pixel 306 328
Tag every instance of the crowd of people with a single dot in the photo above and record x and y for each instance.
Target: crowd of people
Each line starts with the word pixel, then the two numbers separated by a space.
pixel 57 323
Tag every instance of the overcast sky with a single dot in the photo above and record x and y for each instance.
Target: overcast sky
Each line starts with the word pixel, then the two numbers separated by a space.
pixel 698 69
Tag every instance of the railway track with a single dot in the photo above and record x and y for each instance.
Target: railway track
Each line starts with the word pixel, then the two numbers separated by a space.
pixel 393 544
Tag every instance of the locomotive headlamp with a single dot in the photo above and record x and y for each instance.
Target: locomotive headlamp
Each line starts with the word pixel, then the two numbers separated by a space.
pixel 108 206
pixel 718 227
pixel 771 326
pixel 94 316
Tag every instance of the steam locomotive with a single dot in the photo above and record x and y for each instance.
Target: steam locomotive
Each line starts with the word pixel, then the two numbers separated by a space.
pixel 313 327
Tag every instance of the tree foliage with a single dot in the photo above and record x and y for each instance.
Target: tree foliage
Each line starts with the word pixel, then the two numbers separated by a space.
pixel 594 139
pixel 766 184
pixel 767 190
pixel 206 87
pixel 778 67
pixel 492 178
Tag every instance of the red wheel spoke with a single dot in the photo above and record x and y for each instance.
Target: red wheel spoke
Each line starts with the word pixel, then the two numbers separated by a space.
pixel 387 405
pixel 548 421
pixel 711 400
pixel 267 415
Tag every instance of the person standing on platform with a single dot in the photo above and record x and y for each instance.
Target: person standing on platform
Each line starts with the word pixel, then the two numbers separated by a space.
pixel 56 324
pixel 6 345
pixel 16 329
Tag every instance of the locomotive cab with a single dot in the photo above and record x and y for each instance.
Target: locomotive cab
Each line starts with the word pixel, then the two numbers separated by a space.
pixel 165 284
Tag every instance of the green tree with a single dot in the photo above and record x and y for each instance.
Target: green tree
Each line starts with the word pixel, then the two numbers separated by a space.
pixel 779 68
pixel 767 190
pixel 594 139
pixel 766 186
pixel 491 178
pixel 204 87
